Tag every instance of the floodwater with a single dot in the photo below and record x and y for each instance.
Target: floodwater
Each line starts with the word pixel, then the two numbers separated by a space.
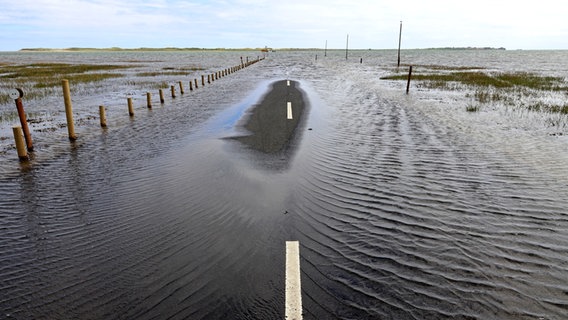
pixel 405 206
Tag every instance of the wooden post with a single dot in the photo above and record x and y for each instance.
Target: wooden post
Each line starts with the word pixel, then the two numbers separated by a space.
pixel 196 83
pixel 208 78
pixel 17 95
pixel 203 80
pixel 148 100
pixel 162 100
pixel 190 85
pixel 131 107
pixel 20 145
pixel 103 116
pixel 347 47
pixel 399 39
pixel 325 50
pixel 173 89
pixel 181 88
pixel 409 76
pixel 68 110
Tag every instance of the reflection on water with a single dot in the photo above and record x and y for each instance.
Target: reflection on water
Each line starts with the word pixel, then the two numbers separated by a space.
pixel 401 212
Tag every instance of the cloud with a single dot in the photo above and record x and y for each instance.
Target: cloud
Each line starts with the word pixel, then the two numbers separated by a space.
pixel 293 23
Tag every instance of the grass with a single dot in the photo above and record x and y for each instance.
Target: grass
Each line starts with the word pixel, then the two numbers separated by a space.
pixel 168 71
pixel 42 70
pixel 38 79
pixel 472 108
pixel 483 79
pixel 491 87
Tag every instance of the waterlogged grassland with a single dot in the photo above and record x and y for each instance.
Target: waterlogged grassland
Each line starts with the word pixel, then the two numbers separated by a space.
pixel 39 79
pixel 168 71
pixel 519 89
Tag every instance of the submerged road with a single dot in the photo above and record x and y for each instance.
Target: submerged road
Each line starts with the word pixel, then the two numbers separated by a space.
pixel 272 123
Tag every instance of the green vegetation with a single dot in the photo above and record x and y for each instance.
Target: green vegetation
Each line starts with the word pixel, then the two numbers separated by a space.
pixel 483 79
pixel 472 108
pixel 115 49
pixel 39 79
pixel 170 72
pixel 41 70
pixel 510 88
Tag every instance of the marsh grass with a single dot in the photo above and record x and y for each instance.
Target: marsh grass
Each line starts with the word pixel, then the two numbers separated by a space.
pixel 472 108
pixel 509 88
pixel 42 70
pixel 162 73
pixel 483 79
pixel 39 79
pixel 31 116
pixel 169 71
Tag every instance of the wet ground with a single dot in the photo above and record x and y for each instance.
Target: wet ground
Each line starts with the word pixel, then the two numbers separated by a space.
pixel 405 206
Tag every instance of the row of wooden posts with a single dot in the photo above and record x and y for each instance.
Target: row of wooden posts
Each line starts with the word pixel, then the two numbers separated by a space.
pixel 22 134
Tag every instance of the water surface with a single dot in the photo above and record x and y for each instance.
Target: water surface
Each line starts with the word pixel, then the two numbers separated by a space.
pixel 406 207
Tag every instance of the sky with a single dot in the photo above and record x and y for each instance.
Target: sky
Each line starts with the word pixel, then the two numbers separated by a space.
pixel 370 24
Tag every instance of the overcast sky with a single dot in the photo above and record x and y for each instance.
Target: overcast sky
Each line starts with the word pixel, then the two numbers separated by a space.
pixel 372 24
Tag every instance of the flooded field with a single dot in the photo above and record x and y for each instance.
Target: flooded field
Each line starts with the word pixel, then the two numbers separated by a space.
pixel 405 206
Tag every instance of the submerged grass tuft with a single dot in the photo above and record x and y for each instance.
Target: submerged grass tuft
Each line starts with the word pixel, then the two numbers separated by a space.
pixel 472 108
pixel 169 71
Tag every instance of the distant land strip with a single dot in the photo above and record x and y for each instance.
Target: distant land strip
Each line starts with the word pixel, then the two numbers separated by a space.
pixel 467 48
pixel 76 49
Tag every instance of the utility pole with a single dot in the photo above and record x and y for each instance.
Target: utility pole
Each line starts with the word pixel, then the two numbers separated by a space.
pixel 399 40
pixel 347 47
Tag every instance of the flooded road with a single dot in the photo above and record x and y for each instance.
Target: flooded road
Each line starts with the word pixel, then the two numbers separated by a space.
pixel 403 210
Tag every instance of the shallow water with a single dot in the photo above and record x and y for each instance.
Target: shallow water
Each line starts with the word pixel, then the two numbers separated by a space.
pixel 406 207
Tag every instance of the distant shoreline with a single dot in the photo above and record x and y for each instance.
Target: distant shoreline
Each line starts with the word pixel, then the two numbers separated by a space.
pixel 175 49
pixel 133 49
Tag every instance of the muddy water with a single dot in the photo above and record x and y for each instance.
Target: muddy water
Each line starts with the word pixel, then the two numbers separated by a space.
pixel 402 210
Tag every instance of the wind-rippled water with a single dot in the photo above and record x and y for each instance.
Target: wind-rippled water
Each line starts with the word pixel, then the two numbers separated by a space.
pixel 404 207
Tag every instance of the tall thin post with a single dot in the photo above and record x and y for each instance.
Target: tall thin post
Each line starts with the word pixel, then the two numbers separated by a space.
pixel 409 76
pixel 347 47
pixel 325 50
pixel 399 40
pixel 68 110
pixel 17 95
pixel 103 116
pixel 131 107
pixel 20 145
